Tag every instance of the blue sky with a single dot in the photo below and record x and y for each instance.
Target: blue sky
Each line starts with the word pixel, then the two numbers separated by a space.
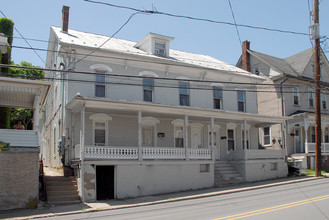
pixel 33 19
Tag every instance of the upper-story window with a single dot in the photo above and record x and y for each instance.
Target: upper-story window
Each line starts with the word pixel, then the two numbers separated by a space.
pixel 241 101
pixel 218 98
pixel 311 98
pixel 296 96
pixel 160 49
pixel 323 101
pixel 100 78
pixel 184 93
pixel 148 85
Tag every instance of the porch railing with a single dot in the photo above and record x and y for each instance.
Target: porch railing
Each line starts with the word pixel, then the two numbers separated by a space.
pixel 256 154
pixel 131 153
pixel 163 153
pixel 311 148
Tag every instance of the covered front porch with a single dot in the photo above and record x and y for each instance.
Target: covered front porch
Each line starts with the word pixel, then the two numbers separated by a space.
pixel 301 133
pixel 119 130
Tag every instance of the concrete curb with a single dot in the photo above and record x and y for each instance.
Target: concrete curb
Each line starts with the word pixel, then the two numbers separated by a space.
pixel 170 200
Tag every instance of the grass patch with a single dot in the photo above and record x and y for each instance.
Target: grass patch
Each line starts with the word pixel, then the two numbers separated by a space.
pixel 312 172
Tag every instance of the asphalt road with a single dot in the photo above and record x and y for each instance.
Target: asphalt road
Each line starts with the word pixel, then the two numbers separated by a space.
pixel 306 200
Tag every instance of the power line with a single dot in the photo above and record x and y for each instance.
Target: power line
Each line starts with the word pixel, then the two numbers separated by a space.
pixel 129 77
pixel 26 41
pixel 236 27
pixel 169 86
pixel 195 18
pixel 130 17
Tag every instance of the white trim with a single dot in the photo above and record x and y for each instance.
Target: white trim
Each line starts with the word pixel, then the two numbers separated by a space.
pixel 219 85
pixel 100 117
pixel 270 135
pixel 178 122
pixel 148 73
pixel 150 121
pixel 101 67
pixel 230 125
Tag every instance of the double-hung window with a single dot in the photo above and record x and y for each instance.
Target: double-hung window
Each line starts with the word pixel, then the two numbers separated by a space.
pixel 100 84
pixel 323 101
pixel 218 97
pixel 160 49
pixel 241 101
pixel 148 85
pixel 184 93
pixel 267 136
pixel 311 98
pixel 296 97
pixel 99 133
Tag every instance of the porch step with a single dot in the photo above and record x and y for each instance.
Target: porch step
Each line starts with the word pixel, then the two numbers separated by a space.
pixel 62 190
pixel 226 174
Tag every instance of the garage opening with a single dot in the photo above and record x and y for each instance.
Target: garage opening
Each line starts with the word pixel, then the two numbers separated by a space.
pixel 105 182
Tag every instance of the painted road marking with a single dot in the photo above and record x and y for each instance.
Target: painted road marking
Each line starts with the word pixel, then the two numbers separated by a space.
pixel 274 208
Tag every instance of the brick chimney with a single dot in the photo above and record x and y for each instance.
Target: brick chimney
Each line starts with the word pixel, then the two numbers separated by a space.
pixel 65 18
pixel 245 55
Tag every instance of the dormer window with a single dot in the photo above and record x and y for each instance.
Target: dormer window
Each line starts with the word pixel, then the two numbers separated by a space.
pixel 160 49
pixel 155 44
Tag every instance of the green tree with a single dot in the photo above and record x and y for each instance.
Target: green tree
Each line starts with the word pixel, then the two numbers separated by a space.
pixel 26 73
pixel 7 28
pixel 22 114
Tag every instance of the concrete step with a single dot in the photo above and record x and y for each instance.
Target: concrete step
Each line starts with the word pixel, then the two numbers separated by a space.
pixel 231 175
pixel 52 199
pixel 61 183
pixel 58 178
pixel 62 193
pixel 65 202
pixel 62 188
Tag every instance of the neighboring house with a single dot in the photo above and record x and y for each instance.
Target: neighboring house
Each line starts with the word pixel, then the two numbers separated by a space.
pixel 19 173
pixel 141 118
pixel 292 94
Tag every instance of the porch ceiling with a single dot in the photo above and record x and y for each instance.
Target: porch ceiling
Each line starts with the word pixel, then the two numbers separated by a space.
pixel 161 111
pixel 21 93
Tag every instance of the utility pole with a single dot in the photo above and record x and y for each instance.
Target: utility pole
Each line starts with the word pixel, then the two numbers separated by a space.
pixel 317 90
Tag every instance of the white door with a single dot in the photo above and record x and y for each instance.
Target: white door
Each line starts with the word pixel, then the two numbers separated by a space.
pixel 196 137
pixel 297 140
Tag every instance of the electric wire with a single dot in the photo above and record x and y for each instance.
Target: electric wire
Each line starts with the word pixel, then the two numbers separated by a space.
pixel 26 41
pixel 158 85
pixel 122 26
pixel 195 18
pixel 236 27
pixel 143 77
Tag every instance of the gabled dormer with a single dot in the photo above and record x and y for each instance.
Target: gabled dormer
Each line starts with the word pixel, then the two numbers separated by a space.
pixel 155 44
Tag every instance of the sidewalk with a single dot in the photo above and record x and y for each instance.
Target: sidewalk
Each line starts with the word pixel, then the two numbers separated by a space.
pixel 146 200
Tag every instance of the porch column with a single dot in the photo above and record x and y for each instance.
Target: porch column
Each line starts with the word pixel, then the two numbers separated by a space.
pixel 186 137
pixel 306 136
pixel 82 151
pixel 212 138
pixel 283 135
pixel 245 138
pixel 36 110
pixel 139 120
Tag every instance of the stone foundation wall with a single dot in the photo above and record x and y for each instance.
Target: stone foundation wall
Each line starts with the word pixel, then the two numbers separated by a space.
pixel 19 180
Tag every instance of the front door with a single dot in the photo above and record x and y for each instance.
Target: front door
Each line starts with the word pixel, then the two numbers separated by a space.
pixel 105 182
pixel 196 137
pixel 297 140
